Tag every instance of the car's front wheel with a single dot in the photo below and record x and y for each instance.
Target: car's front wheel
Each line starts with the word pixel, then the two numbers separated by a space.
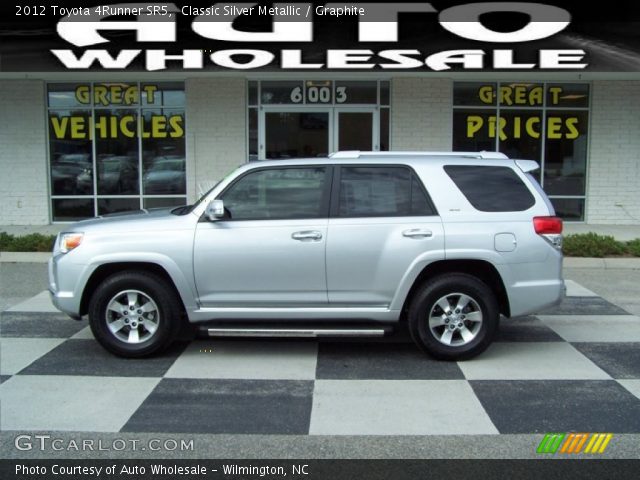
pixel 134 314
pixel 454 317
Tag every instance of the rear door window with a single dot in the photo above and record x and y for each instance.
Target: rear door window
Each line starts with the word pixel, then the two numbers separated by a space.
pixel 491 189
pixel 381 191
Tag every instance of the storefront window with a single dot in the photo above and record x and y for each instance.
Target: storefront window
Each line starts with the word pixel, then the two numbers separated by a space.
pixel 543 122
pixel 115 147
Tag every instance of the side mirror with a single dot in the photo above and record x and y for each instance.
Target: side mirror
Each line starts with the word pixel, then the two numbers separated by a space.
pixel 214 210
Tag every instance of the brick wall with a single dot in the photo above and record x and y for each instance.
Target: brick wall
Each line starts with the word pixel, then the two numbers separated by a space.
pixel 23 157
pixel 216 130
pixel 614 169
pixel 421 114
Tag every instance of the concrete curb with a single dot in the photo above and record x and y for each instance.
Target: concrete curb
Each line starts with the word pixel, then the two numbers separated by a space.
pixel 602 263
pixel 24 257
pixel 569 262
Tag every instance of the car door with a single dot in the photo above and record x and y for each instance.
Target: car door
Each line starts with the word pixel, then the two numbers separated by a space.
pixel 381 222
pixel 269 249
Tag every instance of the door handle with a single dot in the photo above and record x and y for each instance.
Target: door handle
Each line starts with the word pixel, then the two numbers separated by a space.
pixel 307 235
pixel 417 233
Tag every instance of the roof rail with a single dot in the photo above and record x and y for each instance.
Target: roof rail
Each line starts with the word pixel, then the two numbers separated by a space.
pixel 358 154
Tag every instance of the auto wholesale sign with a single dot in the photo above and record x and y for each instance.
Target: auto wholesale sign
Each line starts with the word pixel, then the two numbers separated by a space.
pixel 299 36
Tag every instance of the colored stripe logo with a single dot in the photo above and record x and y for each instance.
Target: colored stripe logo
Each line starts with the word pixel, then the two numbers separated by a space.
pixel 573 443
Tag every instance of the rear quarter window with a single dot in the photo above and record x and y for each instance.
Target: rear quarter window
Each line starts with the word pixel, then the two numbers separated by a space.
pixel 491 189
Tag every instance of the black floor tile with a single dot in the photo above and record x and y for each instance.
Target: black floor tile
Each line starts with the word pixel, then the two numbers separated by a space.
pixel 543 406
pixel 38 325
pixel 368 361
pixel 225 406
pixel 87 357
pixel 620 360
pixel 584 306
pixel 4 378
pixel 525 329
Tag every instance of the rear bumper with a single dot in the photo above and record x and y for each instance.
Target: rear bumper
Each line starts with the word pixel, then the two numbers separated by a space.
pixel 532 297
pixel 536 286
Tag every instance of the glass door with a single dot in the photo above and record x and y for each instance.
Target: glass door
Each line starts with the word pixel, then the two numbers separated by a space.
pixel 295 133
pixel 292 132
pixel 355 129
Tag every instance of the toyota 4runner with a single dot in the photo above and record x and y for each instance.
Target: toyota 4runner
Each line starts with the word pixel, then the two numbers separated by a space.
pixel 348 245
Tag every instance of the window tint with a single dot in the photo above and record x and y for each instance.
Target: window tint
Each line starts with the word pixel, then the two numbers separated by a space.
pixel 277 193
pixel 491 189
pixel 420 204
pixel 380 192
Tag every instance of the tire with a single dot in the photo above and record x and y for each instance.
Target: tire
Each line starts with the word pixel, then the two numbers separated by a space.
pixel 155 315
pixel 474 326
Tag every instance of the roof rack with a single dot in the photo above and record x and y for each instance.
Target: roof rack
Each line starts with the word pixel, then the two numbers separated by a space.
pixel 358 154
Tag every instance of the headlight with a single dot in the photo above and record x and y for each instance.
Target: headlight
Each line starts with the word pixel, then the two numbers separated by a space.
pixel 69 241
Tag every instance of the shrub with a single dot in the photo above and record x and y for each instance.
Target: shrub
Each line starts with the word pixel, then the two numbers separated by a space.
pixel 634 247
pixel 592 245
pixel 33 242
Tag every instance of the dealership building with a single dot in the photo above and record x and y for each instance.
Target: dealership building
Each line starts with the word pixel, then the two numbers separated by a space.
pixel 75 145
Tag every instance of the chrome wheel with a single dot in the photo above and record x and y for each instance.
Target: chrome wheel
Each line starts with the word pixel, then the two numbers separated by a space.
pixel 132 316
pixel 455 319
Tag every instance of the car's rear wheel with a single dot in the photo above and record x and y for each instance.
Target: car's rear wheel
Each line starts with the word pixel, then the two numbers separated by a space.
pixel 134 314
pixel 453 317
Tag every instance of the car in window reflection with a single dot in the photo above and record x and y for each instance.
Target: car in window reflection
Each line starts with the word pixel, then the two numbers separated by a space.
pixel 117 175
pixel 65 170
pixel 165 175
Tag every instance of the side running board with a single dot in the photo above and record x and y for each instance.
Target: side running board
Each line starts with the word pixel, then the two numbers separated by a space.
pixel 295 332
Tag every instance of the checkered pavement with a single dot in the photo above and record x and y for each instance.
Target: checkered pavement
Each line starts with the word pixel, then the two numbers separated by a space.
pixel 575 367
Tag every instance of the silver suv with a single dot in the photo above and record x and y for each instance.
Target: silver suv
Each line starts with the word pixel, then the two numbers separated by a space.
pixel 348 245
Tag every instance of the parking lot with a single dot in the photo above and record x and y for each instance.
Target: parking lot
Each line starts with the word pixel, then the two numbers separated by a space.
pixel 574 368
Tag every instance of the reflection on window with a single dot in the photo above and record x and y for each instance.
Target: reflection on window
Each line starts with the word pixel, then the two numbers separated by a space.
pixel 566 154
pixel 104 147
pixel 163 152
pixel 71 154
pixel 374 191
pixel 107 206
pixel 543 122
pixel 277 193
pixel 474 130
pixel 296 134
pixel 569 208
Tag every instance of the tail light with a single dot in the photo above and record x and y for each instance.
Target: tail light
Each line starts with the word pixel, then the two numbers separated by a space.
pixel 549 228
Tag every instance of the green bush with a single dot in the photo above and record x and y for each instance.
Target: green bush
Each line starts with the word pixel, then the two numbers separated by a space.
pixel 33 242
pixel 592 245
pixel 634 247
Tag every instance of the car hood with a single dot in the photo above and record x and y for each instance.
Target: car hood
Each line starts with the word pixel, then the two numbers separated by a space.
pixel 136 220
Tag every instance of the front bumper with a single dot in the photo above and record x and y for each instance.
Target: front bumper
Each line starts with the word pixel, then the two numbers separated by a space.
pixel 63 285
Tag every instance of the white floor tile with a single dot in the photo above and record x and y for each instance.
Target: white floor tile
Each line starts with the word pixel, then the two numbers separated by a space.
pixel 17 353
pixel 574 289
pixel 76 403
pixel 84 334
pixel 397 407
pixel 594 328
pixel 632 385
pixel 267 360
pixel 38 303
pixel 531 361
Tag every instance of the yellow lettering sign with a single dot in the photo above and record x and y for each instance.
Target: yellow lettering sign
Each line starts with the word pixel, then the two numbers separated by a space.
pixel 115 94
pixel 558 128
pixel 113 126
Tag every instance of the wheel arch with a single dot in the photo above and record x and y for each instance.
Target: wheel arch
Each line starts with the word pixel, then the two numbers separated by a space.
pixel 105 270
pixel 481 269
